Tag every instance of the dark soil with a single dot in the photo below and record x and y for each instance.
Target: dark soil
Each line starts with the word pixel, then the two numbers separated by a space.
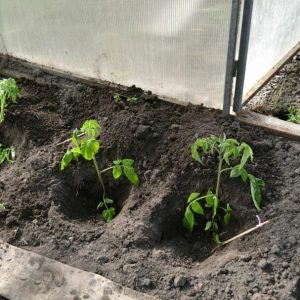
pixel 145 247
pixel 281 93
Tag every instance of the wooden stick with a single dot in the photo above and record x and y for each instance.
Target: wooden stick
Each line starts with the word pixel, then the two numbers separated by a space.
pixel 240 235
pixel 68 140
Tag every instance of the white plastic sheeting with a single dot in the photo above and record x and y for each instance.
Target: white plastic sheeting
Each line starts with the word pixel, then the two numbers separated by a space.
pixel 275 30
pixel 175 48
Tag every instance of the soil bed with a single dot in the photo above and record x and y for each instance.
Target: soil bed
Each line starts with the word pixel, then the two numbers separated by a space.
pixel 145 247
pixel 281 93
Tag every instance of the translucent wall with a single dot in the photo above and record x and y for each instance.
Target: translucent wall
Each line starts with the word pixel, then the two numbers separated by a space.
pixel 176 48
pixel 275 30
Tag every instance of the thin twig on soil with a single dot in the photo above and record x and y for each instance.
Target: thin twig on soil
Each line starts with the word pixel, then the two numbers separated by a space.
pixel 68 140
pixel 240 235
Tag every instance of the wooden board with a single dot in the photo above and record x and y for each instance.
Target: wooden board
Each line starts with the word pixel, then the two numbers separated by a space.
pixel 270 124
pixel 25 275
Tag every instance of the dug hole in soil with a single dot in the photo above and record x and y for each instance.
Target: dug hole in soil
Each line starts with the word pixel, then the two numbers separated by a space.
pixel 145 247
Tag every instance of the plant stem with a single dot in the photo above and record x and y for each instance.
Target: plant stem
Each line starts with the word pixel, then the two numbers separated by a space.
pixel 219 172
pixel 226 169
pixel 100 180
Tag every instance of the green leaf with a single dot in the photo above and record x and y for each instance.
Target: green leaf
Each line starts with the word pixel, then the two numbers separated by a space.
pixel 244 174
pixel 199 143
pixel 247 153
pixel 75 137
pixel 216 205
pixel 216 238
pixel 235 172
pixel 67 158
pixel 227 218
pixel 117 162
pixel 76 152
pixel 117 171
pixel 209 199
pixel 100 205
pixel 192 197
pixel 91 128
pixel 131 174
pixel 208 225
pixel 127 162
pixel 108 214
pixel 108 201
pixel 189 220
pixel 255 186
pixel 89 148
pixel 197 208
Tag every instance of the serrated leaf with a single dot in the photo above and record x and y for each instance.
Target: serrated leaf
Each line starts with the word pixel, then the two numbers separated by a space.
pixel 108 214
pixel 117 162
pixel 89 148
pixel 131 174
pixel 247 153
pixel 189 220
pixel 117 171
pixel 208 225
pixel 67 158
pixel 76 152
pixel 91 128
pixel 192 197
pixel 127 162
pixel 197 208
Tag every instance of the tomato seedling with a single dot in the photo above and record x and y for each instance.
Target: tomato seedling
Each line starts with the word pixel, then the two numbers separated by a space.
pixel 87 145
pixel 234 155
pixel 132 100
pixel 7 154
pixel 8 90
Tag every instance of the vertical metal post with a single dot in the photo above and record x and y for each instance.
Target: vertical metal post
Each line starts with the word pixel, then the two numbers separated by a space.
pixel 243 52
pixel 231 56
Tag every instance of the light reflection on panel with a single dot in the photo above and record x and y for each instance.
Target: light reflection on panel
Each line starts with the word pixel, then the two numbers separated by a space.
pixel 176 48
pixel 275 30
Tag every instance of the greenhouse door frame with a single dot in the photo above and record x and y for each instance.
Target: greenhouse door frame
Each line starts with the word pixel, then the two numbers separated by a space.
pixel 240 100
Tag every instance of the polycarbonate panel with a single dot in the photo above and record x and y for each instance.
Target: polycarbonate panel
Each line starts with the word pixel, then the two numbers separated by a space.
pixel 175 48
pixel 275 30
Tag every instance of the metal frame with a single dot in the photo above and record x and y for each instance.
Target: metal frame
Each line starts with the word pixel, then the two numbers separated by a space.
pixel 230 67
pixel 243 52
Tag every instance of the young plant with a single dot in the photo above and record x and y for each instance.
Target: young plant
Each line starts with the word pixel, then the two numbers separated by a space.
pixel 88 146
pixel 294 115
pixel 8 90
pixel 232 157
pixel 7 154
pixel 132 100
pixel 2 206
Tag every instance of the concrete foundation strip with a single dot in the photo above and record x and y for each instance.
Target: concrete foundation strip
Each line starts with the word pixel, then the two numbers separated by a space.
pixel 28 276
